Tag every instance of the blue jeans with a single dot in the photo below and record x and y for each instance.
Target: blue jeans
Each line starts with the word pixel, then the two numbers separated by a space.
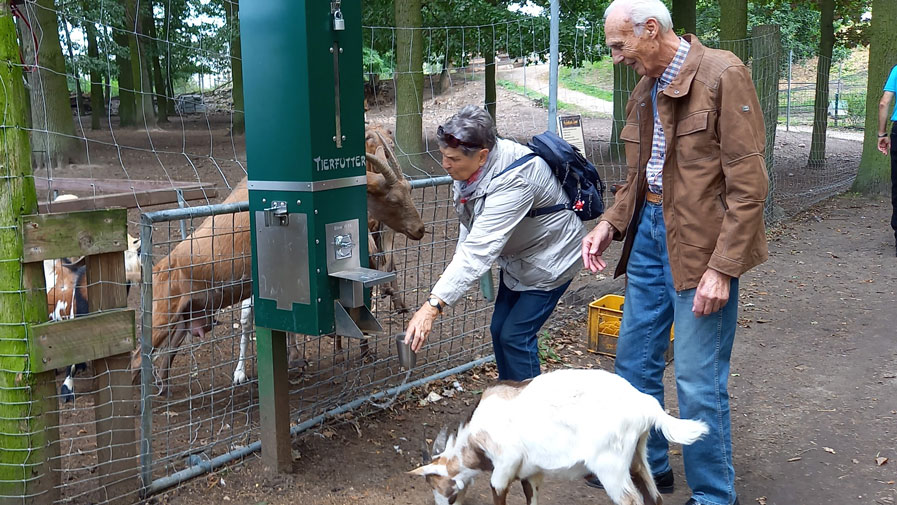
pixel 516 320
pixel 702 348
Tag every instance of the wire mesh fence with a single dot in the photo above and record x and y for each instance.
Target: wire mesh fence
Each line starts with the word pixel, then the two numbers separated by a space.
pixel 155 124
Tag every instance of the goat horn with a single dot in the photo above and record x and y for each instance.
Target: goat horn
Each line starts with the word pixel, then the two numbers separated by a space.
pixel 390 156
pixel 426 457
pixel 381 167
pixel 439 443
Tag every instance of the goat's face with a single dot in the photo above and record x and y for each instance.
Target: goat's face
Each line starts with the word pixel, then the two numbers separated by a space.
pixel 451 473
pixel 389 194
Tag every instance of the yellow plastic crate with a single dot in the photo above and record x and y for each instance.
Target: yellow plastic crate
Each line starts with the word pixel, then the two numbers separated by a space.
pixel 605 315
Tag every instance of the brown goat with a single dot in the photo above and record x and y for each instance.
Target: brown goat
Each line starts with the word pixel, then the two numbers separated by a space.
pixel 212 269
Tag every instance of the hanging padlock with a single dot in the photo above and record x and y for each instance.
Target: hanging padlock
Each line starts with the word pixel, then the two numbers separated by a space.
pixel 339 24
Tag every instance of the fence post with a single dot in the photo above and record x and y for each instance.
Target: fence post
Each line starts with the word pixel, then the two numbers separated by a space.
pixel 28 411
pixel 788 103
pixel 553 67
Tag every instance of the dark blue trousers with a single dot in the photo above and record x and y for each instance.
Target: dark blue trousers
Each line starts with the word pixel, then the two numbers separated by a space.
pixel 516 321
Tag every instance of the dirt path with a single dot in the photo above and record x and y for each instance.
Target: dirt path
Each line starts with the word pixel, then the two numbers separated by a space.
pixel 535 77
pixel 813 375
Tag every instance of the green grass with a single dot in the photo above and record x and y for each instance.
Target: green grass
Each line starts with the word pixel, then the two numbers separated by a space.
pixel 529 93
pixel 546 350
pixel 594 79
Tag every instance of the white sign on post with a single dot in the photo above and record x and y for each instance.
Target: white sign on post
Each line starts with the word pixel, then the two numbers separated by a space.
pixel 570 129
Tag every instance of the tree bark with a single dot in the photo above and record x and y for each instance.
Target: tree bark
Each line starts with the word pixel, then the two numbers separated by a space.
pixel 97 98
pixel 51 111
pixel 232 11
pixel 491 93
pixel 126 106
pixel 874 173
pixel 143 97
pixel 685 17
pixel 823 72
pixel 25 411
pixel 409 83
pixel 733 27
pixel 149 24
pixel 76 75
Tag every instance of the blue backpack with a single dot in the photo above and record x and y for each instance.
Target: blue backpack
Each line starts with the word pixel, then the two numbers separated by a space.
pixel 577 176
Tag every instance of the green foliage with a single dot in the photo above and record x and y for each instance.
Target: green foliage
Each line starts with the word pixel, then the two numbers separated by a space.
pixel 593 78
pixel 547 353
pixel 375 64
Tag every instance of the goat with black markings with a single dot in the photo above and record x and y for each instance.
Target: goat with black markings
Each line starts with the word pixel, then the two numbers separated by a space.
pixel 568 424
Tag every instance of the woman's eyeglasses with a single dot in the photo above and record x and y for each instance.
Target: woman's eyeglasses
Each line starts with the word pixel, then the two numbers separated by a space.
pixel 453 141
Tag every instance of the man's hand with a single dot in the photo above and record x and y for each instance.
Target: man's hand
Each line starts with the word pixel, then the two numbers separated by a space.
pixel 712 293
pixel 594 245
pixel 884 145
pixel 420 325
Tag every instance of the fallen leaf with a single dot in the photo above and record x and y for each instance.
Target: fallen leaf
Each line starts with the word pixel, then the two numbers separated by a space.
pixel 761 500
pixel 829 449
pixel 881 460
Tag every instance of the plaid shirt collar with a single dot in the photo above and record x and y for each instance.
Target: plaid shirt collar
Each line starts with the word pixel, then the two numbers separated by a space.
pixel 675 66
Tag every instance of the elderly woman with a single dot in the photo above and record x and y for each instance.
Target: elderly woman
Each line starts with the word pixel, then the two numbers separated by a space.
pixel 538 254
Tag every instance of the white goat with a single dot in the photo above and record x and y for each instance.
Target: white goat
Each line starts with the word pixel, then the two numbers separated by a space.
pixel 567 424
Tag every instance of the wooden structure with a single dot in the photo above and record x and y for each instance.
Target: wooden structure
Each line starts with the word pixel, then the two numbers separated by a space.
pixel 106 337
pixel 108 193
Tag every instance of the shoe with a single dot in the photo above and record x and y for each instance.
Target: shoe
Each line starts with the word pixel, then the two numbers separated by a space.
pixel 664 482
pixel 691 501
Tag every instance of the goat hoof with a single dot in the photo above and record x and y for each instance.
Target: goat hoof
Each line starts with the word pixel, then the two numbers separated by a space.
pixel 240 377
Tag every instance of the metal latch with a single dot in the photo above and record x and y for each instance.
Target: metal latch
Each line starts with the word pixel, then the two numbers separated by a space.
pixel 277 209
pixel 342 246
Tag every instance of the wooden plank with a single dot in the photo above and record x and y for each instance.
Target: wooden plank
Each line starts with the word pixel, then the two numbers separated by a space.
pixel 106 283
pixel 115 405
pixel 44 185
pixel 115 409
pixel 274 401
pixel 130 200
pixel 63 343
pixel 75 234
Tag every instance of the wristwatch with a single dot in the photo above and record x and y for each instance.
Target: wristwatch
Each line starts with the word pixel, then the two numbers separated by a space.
pixel 434 302
pixel 882 135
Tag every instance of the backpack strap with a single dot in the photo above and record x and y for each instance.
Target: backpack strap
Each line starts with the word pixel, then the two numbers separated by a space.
pixel 534 212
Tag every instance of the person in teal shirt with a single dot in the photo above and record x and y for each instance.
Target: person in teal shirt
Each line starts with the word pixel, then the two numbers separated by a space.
pixel 887 143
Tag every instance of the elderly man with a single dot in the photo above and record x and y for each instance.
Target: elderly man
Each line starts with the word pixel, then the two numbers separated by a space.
pixel 509 203
pixel 691 218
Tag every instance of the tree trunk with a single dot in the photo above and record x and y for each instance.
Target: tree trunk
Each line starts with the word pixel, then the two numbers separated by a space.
pixel 149 24
pixel 489 55
pixel 232 14
pixel 97 98
pixel 823 71
pixel 874 173
pixel 169 84
pixel 733 27
pixel 409 83
pixel 625 80
pixel 76 75
pixel 27 400
pixel 685 17
pixel 51 110
pixel 126 106
pixel 143 96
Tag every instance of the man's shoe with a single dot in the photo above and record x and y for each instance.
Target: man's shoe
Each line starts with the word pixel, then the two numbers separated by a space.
pixel 664 482
pixel 691 501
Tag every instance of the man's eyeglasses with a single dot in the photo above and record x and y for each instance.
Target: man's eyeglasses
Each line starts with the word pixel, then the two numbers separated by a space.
pixel 453 141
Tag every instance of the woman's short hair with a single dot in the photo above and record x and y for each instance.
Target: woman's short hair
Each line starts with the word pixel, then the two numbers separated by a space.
pixel 470 130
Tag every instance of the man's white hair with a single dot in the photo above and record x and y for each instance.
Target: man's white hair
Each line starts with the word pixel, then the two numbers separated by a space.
pixel 640 11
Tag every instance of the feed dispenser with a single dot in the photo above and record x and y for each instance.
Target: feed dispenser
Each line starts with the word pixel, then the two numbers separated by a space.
pixel 303 89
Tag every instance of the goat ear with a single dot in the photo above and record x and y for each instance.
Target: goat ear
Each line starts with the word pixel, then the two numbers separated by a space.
pixel 431 469
pixel 439 443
